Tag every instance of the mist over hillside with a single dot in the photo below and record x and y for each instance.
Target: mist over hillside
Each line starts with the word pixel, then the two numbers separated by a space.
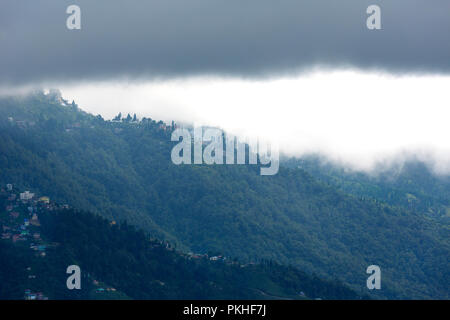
pixel 410 183
pixel 123 171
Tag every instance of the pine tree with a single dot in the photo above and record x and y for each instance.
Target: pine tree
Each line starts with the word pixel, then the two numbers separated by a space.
pixel 118 117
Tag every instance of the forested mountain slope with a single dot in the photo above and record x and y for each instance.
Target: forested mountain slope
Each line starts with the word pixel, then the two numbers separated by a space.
pixel 123 171
pixel 119 262
pixel 411 184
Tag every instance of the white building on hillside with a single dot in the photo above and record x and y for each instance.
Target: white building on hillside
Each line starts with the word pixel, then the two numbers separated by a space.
pixel 25 196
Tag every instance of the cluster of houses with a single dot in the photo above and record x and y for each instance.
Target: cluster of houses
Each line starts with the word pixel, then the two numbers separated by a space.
pixel 164 127
pixel 102 289
pixel 219 258
pixel 74 126
pixel 205 256
pixel 29 295
pixel 19 221
pixel 135 121
pixel 23 124
pixel 32 295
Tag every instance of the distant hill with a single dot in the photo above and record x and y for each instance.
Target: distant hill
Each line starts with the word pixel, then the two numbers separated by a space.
pixel 411 185
pixel 122 171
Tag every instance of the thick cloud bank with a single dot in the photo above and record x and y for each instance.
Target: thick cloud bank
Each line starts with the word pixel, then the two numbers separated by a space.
pixel 251 38
pixel 358 119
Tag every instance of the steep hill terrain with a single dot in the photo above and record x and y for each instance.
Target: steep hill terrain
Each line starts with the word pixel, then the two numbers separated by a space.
pixel 41 239
pixel 122 170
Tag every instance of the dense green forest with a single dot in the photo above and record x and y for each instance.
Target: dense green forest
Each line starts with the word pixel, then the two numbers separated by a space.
pixel 118 261
pixel 122 170
pixel 411 184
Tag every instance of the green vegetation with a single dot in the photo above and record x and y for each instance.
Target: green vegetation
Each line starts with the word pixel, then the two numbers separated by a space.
pixel 122 170
pixel 412 186
pixel 119 262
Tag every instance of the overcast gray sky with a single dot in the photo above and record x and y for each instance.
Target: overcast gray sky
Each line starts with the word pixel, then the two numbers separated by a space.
pixel 248 38
pixel 307 73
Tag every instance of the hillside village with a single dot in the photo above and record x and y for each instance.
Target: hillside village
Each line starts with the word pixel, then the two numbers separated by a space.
pixel 115 178
pixel 20 224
